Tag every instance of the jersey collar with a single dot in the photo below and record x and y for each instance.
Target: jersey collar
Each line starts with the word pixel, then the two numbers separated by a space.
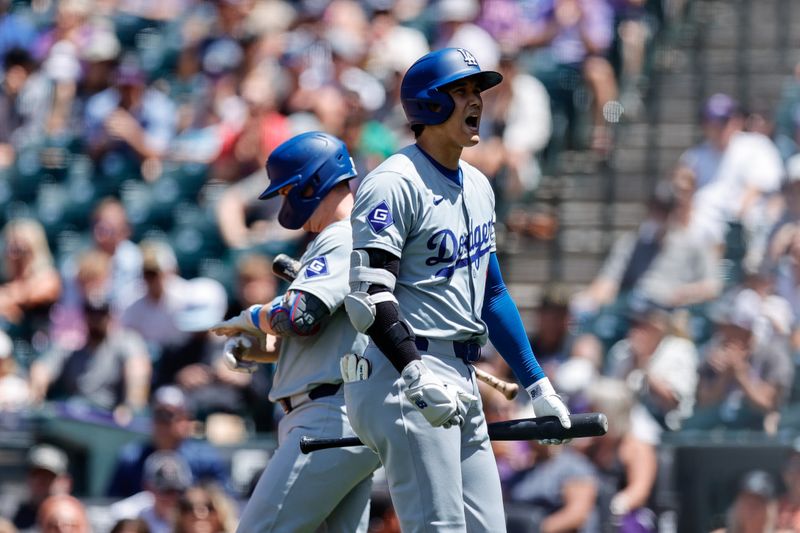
pixel 456 176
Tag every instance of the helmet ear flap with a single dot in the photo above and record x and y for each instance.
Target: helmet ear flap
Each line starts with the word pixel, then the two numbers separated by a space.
pixel 434 107
pixel 440 105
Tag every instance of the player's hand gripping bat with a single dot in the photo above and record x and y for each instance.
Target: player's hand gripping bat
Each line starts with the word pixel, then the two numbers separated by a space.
pixel 541 428
pixel 245 349
pixel 287 269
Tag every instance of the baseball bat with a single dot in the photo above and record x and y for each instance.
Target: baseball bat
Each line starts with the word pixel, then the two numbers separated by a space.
pixel 261 358
pixel 509 390
pixel 540 428
pixel 287 268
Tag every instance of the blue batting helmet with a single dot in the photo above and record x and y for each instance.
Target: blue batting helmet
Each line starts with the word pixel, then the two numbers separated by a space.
pixel 310 165
pixel 420 92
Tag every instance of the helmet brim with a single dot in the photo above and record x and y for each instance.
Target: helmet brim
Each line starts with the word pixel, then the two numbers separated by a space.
pixel 273 190
pixel 486 79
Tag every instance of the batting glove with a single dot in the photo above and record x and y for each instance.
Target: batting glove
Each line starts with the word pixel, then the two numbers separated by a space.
pixel 235 349
pixel 440 405
pixel 547 403
pixel 354 368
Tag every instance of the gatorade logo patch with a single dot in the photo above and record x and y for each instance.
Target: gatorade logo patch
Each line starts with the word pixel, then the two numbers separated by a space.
pixel 317 267
pixel 469 59
pixel 380 217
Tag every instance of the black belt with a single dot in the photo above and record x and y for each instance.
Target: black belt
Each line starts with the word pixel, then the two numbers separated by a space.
pixel 469 352
pixel 320 391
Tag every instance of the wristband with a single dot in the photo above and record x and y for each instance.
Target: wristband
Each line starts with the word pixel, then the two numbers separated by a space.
pixel 255 310
pixel 541 388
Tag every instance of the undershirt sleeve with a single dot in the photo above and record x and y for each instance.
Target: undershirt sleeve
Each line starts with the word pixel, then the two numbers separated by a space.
pixel 506 330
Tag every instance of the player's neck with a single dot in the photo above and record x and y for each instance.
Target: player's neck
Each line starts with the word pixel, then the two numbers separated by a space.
pixel 336 206
pixel 443 152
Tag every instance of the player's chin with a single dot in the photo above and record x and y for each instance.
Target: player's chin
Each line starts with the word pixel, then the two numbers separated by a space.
pixel 469 137
pixel 471 140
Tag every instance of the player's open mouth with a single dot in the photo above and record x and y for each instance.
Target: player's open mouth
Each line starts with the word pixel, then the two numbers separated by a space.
pixel 472 122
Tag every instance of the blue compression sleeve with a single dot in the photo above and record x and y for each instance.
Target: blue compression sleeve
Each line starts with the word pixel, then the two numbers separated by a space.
pixel 506 330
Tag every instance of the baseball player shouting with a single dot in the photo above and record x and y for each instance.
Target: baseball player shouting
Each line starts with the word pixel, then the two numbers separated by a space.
pixel 426 287
pixel 298 493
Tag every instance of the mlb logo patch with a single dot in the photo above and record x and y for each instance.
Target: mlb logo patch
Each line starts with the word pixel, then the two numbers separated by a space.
pixel 380 217
pixel 317 267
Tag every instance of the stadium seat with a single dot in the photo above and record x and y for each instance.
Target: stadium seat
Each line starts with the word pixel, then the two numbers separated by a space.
pixel 113 170
pixel 26 176
pixel 164 195
pixel 195 236
pixel 82 195
pixel 192 177
pixel 136 197
pixel 50 206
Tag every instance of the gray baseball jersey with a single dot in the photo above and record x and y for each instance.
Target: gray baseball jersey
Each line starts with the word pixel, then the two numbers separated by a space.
pixel 338 483
pixel 443 235
pixel 306 362
pixel 442 480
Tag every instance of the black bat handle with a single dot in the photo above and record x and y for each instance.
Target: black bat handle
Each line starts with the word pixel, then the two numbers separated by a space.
pixel 544 427
pixel 310 444
pixel 549 427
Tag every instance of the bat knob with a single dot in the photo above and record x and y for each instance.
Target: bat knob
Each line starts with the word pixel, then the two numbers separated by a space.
pixel 602 420
pixel 305 447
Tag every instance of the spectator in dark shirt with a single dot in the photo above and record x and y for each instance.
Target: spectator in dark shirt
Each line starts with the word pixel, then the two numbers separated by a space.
pixel 572 38
pixel 552 341
pixel 173 425
pixel 111 371
pixel 17 66
pixel 557 494
pixel 129 122
pixel 742 378
pixel 48 474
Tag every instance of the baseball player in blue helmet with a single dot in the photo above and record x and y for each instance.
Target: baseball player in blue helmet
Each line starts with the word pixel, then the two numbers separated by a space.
pixel 305 169
pixel 426 288
pixel 302 492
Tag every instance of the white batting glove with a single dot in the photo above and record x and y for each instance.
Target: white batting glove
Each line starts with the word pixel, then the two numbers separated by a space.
pixel 354 368
pixel 440 405
pixel 547 403
pixel 236 348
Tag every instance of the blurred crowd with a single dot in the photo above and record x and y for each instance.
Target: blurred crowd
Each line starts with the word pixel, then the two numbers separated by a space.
pixel 132 142
pixel 691 327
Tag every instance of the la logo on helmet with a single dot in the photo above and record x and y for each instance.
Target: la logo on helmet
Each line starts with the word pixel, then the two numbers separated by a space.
pixel 469 59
